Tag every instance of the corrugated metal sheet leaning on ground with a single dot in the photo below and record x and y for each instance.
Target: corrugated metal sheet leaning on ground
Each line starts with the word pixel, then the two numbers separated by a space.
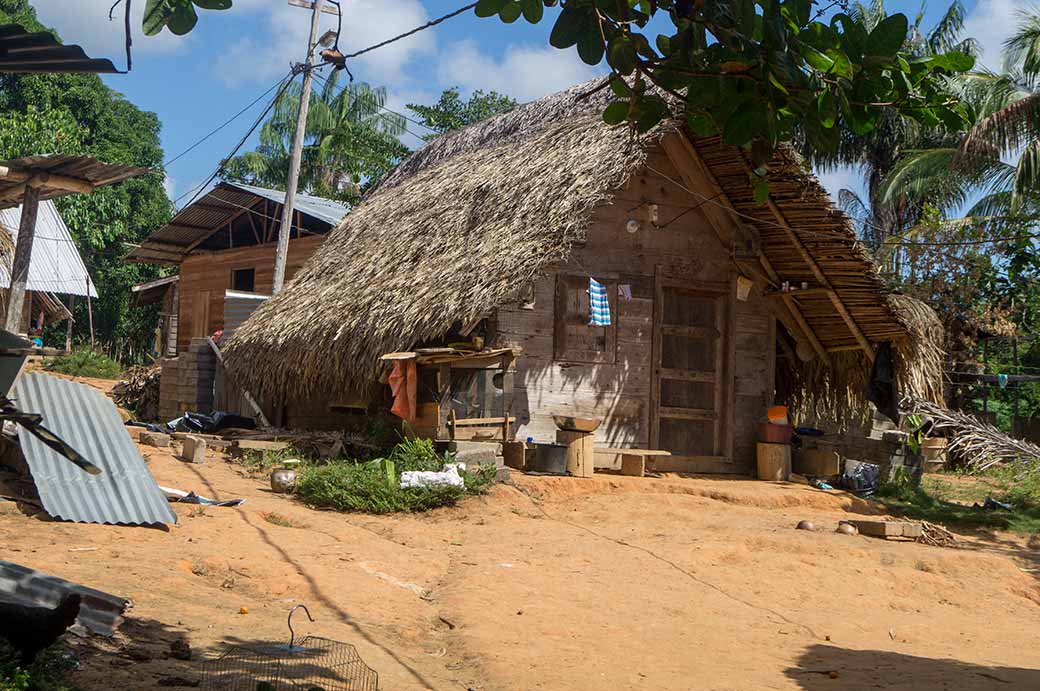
pixel 124 493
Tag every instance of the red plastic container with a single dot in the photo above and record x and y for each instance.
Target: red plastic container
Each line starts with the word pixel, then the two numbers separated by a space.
pixel 775 434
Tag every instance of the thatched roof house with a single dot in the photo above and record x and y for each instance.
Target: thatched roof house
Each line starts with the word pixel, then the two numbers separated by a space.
pixel 509 218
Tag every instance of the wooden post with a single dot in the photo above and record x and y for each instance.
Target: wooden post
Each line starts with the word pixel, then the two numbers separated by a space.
pixel 68 327
pixel 985 385
pixel 296 154
pixel 580 451
pixel 90 316
pixel 1014 386
pixel 22 259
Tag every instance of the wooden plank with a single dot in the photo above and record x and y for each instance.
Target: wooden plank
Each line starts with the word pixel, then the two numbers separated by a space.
pixel 257 410
pixel 691 331
pixel 690 464
pixel 687 413
pixel 686 375
pixel 471 421
pixel 821 277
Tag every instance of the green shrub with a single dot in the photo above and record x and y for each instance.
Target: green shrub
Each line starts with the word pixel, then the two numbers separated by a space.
pixel 86 363
pixel 374 486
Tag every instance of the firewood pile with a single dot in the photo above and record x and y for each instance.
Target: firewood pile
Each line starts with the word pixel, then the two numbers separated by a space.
pixel 139 391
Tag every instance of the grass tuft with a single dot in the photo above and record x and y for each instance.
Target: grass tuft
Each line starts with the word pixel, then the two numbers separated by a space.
pixel 86 363
pixel 950 499
pixel 374 486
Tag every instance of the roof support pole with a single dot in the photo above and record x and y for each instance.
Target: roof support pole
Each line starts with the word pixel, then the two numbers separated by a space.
pixel 839 305
pixel 296 154
pixel 22 258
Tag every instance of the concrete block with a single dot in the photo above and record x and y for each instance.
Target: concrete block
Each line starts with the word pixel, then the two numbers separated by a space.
pixel 193 449
pixel 887 529
pixel 155 439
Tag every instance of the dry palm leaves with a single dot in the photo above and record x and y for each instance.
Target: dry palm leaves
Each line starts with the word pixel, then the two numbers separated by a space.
pixel 977 444
pixel 139 391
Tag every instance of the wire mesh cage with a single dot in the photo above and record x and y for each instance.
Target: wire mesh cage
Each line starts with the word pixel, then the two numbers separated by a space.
pixel 313 664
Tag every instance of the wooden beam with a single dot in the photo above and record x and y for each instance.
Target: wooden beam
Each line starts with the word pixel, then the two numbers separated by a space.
pixel 695 183
pixel 60 182
pixel 821 277
pixel 806 329
pixel 257 410
pixel 22 259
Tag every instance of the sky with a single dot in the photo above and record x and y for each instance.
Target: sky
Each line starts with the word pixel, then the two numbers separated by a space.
pixel 198 81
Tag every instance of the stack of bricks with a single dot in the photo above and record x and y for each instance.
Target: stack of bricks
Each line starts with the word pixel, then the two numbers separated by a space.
pixel 187 381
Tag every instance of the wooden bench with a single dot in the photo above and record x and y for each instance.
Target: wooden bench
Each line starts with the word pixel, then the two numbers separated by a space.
pixel 634 461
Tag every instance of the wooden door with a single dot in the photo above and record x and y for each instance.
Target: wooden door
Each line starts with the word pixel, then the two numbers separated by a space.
pixel 689 391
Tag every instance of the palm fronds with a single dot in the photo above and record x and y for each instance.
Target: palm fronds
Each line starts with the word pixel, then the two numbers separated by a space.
pixel 979 445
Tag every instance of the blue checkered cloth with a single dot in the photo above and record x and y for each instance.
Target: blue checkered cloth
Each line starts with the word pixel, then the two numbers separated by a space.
pixel 599 305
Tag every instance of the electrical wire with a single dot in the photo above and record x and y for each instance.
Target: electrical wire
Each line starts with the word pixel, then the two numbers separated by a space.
pixel 325 81
pixel 284 85
pixel 222 125
pixel 406 34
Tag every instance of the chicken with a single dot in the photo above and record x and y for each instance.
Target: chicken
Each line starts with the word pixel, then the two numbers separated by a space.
pixel 30 629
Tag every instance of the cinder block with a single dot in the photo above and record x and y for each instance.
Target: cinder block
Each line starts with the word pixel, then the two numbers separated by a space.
pixel 193 449
pixel 155 439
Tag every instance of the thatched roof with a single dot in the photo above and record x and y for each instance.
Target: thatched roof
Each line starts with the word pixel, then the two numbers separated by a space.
pixel 459 225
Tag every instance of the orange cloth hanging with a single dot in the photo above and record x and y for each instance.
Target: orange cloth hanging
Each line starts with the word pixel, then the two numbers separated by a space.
pixel 403 384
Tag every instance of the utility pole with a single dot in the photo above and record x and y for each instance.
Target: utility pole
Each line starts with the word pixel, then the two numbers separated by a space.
pixel 285 229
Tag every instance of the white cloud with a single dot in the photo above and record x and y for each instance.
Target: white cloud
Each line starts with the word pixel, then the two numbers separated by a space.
pixel 170 185
pixel 845 177
pixel 365 22
pixel 525 72
pixel 86 23
pixel 990 22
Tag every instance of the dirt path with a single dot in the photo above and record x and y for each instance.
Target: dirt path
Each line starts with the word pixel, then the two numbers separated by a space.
pixel 558 583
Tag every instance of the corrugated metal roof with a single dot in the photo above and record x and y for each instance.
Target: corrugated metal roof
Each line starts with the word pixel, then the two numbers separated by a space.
pixel 125 492
pixel 200 219
pixel 98 611
pixel 332 212
pixel 56 265
pixel 83 169
pixel 39 51
pixel 237 308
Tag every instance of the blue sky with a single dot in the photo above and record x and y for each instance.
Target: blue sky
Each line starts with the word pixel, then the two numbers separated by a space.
pixel 196 82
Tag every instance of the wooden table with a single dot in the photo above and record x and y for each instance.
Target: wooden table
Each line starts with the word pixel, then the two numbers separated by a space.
pixel 633 461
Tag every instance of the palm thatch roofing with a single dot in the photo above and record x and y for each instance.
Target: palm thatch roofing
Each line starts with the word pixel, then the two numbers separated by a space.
pixel 452 232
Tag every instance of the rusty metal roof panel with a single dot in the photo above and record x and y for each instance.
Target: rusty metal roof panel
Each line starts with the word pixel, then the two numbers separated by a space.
pixel 124 493
pixel 39 51
pixel 99 612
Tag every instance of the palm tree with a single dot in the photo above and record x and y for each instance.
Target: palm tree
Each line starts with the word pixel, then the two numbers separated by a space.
pixel 351 141
pixel 876 153
pixel 997 163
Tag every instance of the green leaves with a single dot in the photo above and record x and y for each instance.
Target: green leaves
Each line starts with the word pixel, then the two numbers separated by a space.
pixel 510 10
pixel 178 16
pixel 887 37
pixel 758 72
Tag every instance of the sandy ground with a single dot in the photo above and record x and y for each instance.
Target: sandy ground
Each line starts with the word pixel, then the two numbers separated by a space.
pixel 556 583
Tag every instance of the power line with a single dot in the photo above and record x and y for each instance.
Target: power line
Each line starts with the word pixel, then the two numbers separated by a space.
pixel 324 80
pixel 222 126
pixel 284 85
pixel 406 34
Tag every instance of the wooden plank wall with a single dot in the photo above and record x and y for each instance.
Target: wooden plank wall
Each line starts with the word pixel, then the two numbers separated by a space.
pixel 210 272
pixel 619 392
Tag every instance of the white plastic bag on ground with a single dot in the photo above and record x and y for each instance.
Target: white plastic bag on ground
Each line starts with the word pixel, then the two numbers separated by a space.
pixel 428 478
